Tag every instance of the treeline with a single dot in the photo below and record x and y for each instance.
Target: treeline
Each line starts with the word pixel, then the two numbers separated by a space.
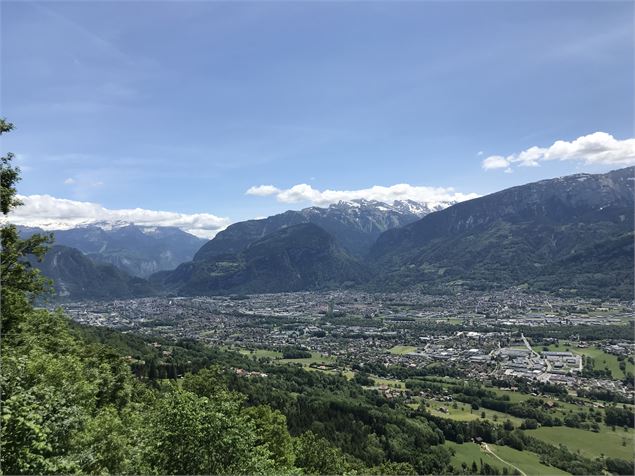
pixel 401 372
pixel 295 353
pixel 157 358
pixel 535 411
pixel 585 332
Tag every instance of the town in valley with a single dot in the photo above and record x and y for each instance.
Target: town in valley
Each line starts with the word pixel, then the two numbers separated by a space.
pixel 502 337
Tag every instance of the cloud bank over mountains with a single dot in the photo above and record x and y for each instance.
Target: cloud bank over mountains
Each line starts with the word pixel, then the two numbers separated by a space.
pixel 598 148
pixel 53 213
pixel 306 193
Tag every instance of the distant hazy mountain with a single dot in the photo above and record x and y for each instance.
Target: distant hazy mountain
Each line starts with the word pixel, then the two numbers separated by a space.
pixel 573 233
pixel 297 257
pixel 138 250
pixel 355 225
pixel 76 277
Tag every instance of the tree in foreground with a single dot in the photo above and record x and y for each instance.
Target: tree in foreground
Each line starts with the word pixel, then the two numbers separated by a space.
pixel 20 282
pixel 71 406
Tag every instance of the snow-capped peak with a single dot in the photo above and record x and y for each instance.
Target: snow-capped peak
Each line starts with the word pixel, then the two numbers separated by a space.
pixel 407 207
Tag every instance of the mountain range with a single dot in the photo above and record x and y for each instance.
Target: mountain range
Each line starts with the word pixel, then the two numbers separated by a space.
pixel 138 250
pixel 292 258
pixel 141 251
pixel 355 224
pixel 76 277
pixel 570 235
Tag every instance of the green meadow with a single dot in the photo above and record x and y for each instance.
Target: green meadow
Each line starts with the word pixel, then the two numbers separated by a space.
pixel 527 462
pixel 402 349
pixel 612 444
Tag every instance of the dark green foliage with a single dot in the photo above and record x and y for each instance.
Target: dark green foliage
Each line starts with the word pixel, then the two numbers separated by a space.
pixel 295 353
pixel 317 456
pixel 620 466
pixel 20 282
pixel 73 406
pixel 59 396
pixel 619 416
pixel 188 434
pixel 529 424
pixel 362 378
pixel 9 175
pixel 361 423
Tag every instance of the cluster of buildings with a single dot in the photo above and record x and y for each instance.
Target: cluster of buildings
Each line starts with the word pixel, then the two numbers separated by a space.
pixel 474 332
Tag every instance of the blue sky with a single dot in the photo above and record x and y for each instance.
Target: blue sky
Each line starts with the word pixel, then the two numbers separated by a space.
pixel 183 106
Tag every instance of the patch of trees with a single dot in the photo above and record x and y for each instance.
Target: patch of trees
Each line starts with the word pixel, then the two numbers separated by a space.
pixel 603 394
pixel 620 466
pixel 361 423
pixel 295 353
pixel 619 417
pixel 402 373
pixel 586 332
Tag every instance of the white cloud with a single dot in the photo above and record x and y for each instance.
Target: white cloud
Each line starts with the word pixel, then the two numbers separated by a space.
pixel 52 213
pixel 69 181
pixel 263 190
pixel 598 148
pixel 306 193
pixel 495 162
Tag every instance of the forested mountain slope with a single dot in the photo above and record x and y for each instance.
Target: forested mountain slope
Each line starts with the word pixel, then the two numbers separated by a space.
pixel 293 258
pixel 572 233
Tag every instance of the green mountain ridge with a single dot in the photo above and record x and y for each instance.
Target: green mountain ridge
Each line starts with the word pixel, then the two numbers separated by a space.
pixel 573 233
pixel 294 258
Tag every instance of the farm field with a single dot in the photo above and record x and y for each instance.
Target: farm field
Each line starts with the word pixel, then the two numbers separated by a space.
pixel 471 452
pixel 525 461
pixel 612 444
pixel 402 349
pixel 529 463
pixel 257 353
pixel 463 413
pixel 514 397
pixel 316 358
pixel 388 382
